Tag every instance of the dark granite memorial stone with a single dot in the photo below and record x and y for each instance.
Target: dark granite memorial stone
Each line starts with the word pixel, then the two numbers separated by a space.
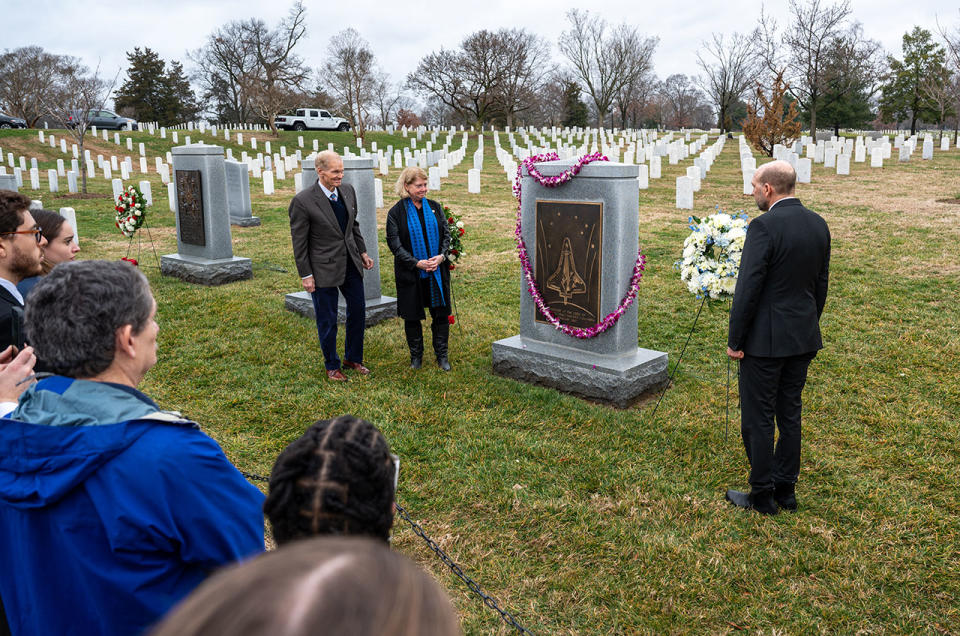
pixel 190 207
pixel 569 242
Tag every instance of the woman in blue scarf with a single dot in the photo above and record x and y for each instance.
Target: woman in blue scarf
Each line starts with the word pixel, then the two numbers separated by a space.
pixel 418 237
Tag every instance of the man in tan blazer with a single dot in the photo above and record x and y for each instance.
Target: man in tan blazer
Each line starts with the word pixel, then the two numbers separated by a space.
pixel 331 256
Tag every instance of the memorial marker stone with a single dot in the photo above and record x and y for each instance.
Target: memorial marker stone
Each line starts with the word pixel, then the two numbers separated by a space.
pixel 582 241
pixel 204 247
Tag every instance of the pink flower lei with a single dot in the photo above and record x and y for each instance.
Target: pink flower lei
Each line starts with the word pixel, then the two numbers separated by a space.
pixel 552 182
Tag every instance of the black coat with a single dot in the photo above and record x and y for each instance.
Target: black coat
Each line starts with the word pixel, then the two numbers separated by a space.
pixel 409 299
pixel 782 284
pixel 11 320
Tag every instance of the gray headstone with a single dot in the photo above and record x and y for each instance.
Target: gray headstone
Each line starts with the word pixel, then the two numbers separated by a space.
pixel 204 248
pixel 8 182
pixel 357 172
pixel 238 195
pixel 609 367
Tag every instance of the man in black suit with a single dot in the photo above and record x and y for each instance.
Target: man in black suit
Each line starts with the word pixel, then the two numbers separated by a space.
pixel 21 251
pixel 331 255
pixel 775 333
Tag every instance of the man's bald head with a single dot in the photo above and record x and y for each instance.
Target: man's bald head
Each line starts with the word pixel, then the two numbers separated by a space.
pixel 780 175
pixel 326 160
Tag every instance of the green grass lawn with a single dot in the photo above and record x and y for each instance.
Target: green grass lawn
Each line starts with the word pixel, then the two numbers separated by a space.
pixel 583 519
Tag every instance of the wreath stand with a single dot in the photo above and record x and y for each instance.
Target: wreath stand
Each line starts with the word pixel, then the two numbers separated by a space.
pixel 137 234
pixel 673 373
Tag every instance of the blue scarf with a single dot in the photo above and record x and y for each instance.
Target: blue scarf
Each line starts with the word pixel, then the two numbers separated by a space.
pixel 425 247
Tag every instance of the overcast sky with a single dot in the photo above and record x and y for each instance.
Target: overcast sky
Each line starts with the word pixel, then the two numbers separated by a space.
pixel 400 33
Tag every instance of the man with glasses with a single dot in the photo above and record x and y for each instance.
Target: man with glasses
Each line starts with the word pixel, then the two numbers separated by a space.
pixel 21 251
pixel 331 256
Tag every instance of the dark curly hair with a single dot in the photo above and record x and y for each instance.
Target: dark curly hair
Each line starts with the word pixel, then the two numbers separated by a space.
pixel 337 478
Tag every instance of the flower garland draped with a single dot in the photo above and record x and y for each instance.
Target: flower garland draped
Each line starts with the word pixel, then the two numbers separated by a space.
pixel 552 182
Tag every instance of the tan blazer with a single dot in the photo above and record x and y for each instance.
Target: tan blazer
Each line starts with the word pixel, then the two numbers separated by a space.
pixel 319 247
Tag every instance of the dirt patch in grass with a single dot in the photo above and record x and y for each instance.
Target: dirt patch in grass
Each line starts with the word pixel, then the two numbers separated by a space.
pixel 955 201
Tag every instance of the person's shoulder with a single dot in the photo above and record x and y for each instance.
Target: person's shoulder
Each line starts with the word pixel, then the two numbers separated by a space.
pixel 305 195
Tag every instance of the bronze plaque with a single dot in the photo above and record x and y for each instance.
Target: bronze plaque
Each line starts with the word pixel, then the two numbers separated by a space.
pixel 569 255
pixel 190 207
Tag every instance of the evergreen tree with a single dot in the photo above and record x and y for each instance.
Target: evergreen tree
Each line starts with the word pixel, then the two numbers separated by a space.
pixel 905 93
pixel 181 102
pixel 767 124
pixel 576 110
pixel 145 90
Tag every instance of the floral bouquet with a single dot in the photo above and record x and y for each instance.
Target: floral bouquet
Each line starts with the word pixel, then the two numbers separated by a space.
pixel 131 210
pixel 455 226
pixel 711 254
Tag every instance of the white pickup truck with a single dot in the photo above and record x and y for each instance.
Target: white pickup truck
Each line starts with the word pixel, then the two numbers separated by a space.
pixel 311 118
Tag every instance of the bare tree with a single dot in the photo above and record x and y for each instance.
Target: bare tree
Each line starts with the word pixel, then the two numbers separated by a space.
pixel 802 51
pixel 28 75
pixel 74 102
pixel 350 75
pixel 221 67
pixel 274 82
pixel 524 56
pixel 604 59
pixel 389 99
pixel 729 70
pixel 951 38
pixel 682 101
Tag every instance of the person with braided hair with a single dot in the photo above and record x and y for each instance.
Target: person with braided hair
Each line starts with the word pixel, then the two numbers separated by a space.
pixel 337 478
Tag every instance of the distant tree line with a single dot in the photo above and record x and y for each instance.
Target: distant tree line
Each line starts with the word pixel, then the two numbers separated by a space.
pixel 249 71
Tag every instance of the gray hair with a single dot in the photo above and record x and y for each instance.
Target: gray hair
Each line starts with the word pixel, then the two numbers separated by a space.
pixel 74 312
pixel 323 159
pixel 408 176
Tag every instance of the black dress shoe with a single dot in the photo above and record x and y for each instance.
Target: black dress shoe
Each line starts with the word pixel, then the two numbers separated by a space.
pixel 416 362
pixel 762 502
pixel 443 363
pixel 785 497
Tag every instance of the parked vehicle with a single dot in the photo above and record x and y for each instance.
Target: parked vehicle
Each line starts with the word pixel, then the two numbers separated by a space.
pixel 6 121
pixel 105 119
pixel 311 118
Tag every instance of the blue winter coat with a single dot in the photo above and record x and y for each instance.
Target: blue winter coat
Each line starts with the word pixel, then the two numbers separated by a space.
pixel 111 510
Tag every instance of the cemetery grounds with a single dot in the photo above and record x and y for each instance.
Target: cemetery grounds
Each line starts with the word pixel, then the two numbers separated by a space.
pixel 580 518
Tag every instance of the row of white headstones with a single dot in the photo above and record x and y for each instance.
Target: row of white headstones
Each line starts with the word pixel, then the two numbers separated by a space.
pixel 837 154
pixel 265 165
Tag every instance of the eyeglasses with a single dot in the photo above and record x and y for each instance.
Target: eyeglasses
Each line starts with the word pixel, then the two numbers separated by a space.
pixel 37 232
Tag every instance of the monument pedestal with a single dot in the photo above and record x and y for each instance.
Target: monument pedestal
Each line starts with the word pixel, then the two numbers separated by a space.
pixel 204 244
pixel 378 309
pixel 206 271
pixel 582 241
pixel 614 379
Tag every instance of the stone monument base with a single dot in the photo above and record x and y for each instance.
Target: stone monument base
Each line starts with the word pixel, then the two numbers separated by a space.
pixel 205 271
pixel 378 309
pixel 613 379
pixel 247 221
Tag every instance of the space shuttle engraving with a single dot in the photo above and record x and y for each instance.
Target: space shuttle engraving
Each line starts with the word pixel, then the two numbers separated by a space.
pixel 566 281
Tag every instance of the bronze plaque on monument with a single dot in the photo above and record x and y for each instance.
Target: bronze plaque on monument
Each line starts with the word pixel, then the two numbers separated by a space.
pixel 569 256
pixel 190 207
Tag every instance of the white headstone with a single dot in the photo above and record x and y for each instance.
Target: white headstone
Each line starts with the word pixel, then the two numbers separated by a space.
pixel 172 197
pixel 34 179
pixel 52 182
pixel 843 164
pixel 378 192
pixel 117 185
pixel 927 148
pixel 748 180
pixel 473 181
pixel 684 193
pixel 297 182
pixel 147 192
pixel 643 179
pixel 72 181
pixel 433 179
pixel 859 154
pixel 804 170
pixel 268 182
pixel 693 173
pixel 944 143
pixel 654 167
pixel 876 158
pixel 60 170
